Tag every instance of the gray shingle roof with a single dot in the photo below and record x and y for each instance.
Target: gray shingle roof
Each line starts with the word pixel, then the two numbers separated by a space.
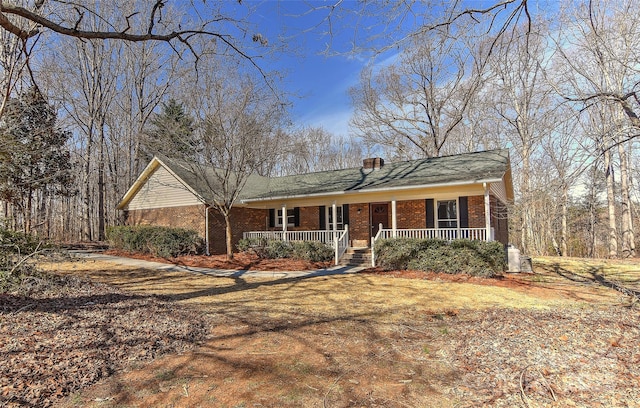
pixel 456 169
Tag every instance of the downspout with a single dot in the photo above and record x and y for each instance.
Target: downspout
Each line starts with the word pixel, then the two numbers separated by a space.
pixel 206 227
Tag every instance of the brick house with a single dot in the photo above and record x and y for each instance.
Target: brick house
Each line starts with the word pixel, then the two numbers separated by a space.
pixel 458 196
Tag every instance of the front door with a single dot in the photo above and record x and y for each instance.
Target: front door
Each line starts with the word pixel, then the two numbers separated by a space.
pixel 379 215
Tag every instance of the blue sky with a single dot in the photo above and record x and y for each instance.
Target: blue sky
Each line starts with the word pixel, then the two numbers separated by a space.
pixel 321 81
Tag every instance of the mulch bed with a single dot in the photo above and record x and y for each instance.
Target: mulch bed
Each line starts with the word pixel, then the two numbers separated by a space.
pixel 61 334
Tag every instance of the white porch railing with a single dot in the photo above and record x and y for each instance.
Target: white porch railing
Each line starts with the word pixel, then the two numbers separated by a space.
pixel 325 236
pixel 448 234
pixel 341 244
pixel 477 234
pixel 373 246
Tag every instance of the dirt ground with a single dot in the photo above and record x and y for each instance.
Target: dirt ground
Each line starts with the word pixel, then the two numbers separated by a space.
pixel 566 335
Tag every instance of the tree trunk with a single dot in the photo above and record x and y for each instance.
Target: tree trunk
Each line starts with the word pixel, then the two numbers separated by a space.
pixel 628 236
pixel 101 188
pixel 526 204
pixel 563 233
pixel 227 221
pixel 613 234
pixel 27 213
pixel 88 236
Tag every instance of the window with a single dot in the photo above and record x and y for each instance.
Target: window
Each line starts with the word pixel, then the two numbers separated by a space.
pixel 291 218
pixel 330 218
pixel 447 214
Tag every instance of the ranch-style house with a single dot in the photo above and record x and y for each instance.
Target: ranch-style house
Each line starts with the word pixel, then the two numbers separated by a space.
pixel 450 197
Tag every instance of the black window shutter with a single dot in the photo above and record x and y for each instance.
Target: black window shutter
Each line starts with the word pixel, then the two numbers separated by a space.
pixel 323 217
pixel 345 214
pixel 296 216
pixel 464 212
pixel 430 219
pixel 272 217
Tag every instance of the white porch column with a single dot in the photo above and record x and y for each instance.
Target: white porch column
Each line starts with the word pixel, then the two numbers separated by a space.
pixel 487 212
pixel 284 222
pixel 394 218
pixel 334 215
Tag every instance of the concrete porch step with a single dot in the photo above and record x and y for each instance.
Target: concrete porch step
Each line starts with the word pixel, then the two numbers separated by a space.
pixel 356 257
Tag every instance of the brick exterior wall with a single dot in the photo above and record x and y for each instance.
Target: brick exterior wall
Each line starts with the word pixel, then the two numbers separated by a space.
pixel 242 220
pixel 499 220
pixel 359 224
pixel 411 214
pixel 476 211
pixel 193 217
pixel 309 219
pixel 189 217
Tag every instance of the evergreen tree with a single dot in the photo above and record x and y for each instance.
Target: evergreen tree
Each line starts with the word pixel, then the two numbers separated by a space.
pixel 33 153
pixel 171 132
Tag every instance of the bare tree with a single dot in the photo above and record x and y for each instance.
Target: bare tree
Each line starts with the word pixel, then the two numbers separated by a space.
pixel 149 72
pixel 599 46
pixel 182 28
pixel 413 106
pixel 239 122
pixel 312 149
pixel 527 105
pixel 92 67
pixel 569 161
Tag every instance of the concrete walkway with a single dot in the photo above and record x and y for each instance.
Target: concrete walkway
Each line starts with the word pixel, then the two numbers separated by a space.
pixel 226 273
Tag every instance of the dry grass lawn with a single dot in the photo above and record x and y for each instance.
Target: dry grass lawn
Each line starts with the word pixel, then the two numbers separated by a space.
pixel 370 340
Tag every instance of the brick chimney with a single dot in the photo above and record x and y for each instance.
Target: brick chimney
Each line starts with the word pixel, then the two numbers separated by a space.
pixel 372 163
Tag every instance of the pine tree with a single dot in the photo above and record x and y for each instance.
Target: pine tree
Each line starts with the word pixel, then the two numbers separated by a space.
pixel 171 132
pixel 33 153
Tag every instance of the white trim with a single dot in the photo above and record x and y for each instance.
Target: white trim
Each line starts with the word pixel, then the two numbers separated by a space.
pixel 334 215
pixel 328 224
pixel 285 216
pixel 181 180
pixel 487 211
pixel 394 216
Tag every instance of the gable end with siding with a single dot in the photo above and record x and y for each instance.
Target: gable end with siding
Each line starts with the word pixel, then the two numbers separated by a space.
pixel 162 189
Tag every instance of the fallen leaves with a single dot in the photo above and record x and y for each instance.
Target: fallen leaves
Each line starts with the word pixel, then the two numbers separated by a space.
pixel 54 343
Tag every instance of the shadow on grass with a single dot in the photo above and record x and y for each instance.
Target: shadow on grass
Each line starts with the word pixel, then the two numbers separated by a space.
pixel 594 275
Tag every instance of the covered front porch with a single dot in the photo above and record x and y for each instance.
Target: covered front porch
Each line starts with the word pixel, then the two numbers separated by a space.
pixel 340 242
pixel 360 225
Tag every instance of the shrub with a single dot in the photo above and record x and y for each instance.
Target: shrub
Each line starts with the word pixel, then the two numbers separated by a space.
pixel 312 251
pixel 251 244
pixel 277 249
pixel 17 243
pixel 165 242
pixel 15 248
pixel 274 249
pixel 477 258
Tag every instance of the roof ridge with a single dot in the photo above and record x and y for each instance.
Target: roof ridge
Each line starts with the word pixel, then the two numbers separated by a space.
pixel 390 163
